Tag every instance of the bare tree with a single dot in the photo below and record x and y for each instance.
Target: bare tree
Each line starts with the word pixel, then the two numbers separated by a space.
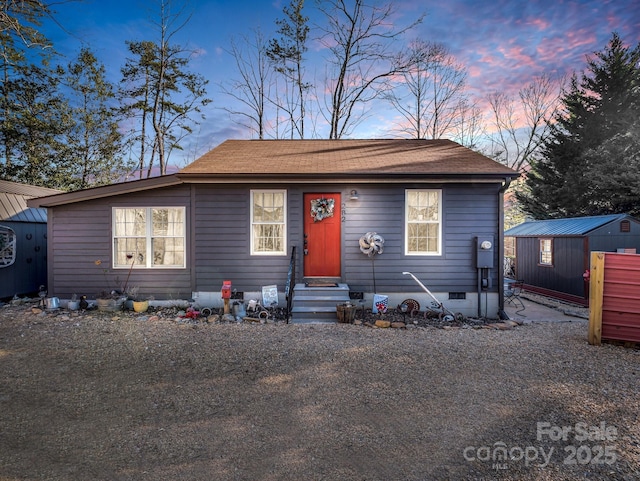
pixel 160 89
pixel 429 94
pixel 287 54
pixel 469 130
pixel 521 125
pixel 253 88
pixel 360 39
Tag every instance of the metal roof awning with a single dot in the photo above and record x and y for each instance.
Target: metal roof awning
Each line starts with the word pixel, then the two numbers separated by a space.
pixel 563 227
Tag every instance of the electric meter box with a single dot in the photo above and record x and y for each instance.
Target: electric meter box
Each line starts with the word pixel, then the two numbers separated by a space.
pixel 485 258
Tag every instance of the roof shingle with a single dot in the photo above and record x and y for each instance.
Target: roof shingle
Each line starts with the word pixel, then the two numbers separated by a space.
pixel 344 157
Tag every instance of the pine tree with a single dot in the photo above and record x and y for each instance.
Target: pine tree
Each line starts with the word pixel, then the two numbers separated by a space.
pixel 94 142
pixel 161 94
pixel 33 114
pixel 599 110
pixel 35 119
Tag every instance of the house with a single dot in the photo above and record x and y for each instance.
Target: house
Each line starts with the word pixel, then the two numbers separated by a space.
pixel 552 255
pixel 23 239
pixel 238 212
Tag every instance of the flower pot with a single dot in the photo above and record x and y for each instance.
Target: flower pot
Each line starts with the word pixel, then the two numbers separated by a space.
pixel 346 313
pixel 106 305
pixel 52 302
pixel 140 306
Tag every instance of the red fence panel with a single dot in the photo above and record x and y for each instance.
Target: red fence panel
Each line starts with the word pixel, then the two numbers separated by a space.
pixel 616 300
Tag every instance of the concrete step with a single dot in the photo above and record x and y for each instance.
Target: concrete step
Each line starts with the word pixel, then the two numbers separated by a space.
pixel 314 316
pixel 317 304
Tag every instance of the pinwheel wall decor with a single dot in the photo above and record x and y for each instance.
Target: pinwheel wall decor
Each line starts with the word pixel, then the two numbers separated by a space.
pixel 371 244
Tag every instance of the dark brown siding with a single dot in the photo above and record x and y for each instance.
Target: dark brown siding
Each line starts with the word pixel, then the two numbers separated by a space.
pixel 218 229
pixel 467 212
pixel 223 246
pixel 80 234
pixel 568 264
pixel 609 238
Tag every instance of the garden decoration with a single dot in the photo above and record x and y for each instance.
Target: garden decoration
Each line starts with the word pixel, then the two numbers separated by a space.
pixel 8 241
pixel 322 208
pixel 380 304
pixel 111 299
pixel 371 244
pixel 444 314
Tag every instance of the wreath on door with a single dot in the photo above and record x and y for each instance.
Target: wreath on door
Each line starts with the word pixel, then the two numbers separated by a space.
pixel 322 208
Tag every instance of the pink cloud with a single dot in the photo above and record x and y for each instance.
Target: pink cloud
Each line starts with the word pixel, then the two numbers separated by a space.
pixel 474 71
pixel 517 57
pixel 539 23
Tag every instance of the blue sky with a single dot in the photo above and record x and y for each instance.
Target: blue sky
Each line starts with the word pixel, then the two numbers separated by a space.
pixel 502 43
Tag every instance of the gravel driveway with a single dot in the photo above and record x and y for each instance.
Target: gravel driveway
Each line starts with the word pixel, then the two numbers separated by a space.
pixel 130 397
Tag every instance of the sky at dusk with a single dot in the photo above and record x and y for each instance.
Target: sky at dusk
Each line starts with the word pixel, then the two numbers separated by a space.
pixel 503 43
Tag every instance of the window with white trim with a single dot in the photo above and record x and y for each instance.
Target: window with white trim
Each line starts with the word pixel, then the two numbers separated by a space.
pixel 268 222
pixel 423 222
pixel 546 252
pixel 149 237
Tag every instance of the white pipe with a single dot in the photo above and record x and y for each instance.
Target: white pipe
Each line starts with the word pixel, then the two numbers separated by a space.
pixel 424 287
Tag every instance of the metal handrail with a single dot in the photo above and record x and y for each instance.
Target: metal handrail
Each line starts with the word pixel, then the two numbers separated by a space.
pixel 291 282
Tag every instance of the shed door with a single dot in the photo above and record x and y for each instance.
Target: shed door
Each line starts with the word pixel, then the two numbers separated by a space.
pixel 322 220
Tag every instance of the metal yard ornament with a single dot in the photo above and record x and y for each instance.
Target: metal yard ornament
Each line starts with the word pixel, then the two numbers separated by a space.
pixel 371 244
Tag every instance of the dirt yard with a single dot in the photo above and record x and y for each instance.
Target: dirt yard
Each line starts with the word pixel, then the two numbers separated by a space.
pixel 142 397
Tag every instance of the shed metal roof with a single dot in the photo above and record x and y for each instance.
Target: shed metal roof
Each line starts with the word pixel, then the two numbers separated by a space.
pixel 13 202
pixel 557 227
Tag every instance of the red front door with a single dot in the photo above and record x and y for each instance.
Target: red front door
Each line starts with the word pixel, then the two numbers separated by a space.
pixel 322 221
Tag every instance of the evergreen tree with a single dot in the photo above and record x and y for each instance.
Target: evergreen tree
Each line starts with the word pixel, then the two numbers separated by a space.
pixel 32 112
pixel 137 75
pixel 162 94
pixel 94 141
pixel 35 119
pixel 596 124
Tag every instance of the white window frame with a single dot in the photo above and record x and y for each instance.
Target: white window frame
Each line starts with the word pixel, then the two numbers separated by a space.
pixel 407 252
pixel 542 254
pixel 253 223
pixel 148 259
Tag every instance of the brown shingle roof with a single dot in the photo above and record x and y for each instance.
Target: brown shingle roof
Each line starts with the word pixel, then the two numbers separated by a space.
pixel 314 160
pixel 344 157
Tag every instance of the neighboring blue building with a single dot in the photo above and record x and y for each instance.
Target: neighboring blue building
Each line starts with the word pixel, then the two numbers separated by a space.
pixel 552 255
pixel 23 239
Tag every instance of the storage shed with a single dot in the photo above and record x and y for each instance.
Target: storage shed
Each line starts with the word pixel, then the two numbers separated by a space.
pixel 552 255
pixel 23 239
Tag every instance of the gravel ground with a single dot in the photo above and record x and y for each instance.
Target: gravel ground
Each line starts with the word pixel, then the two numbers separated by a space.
pixel 150 397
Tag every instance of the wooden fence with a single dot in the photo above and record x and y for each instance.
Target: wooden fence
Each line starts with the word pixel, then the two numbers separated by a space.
pixel 614 297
